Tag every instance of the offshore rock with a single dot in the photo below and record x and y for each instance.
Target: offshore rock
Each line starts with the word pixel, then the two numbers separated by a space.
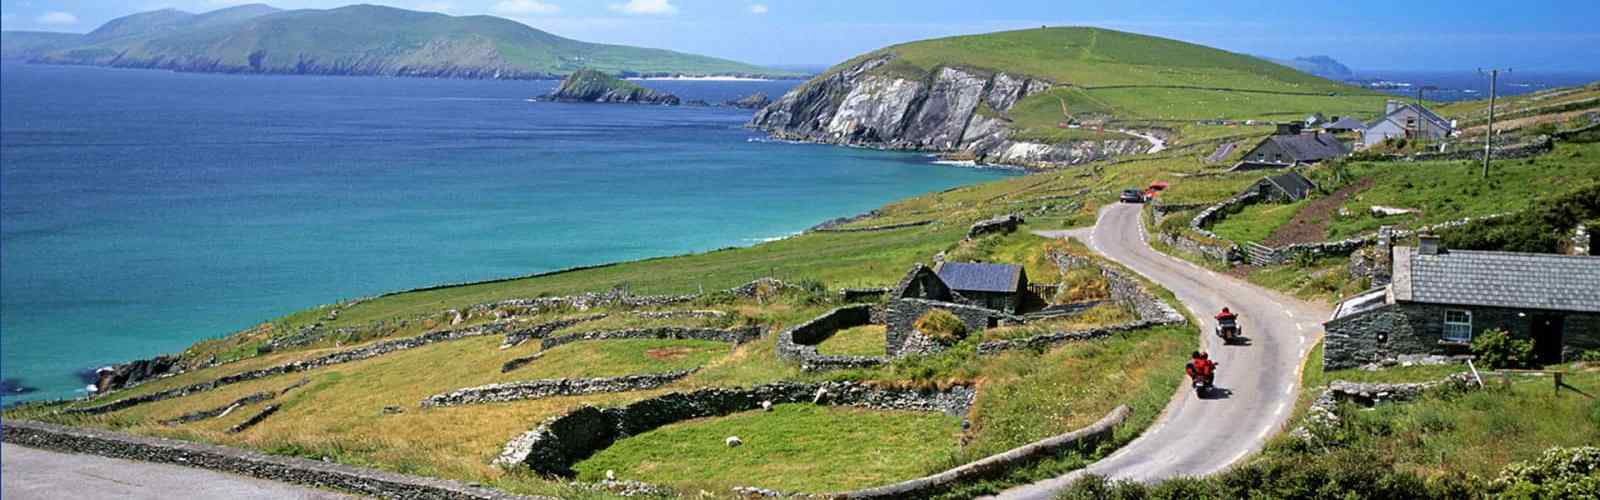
pixel 587 85
pixel 757 100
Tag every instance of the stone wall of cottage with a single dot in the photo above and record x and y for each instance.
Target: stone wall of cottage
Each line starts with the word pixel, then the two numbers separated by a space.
pixel 799 344
pixel 902 314
pixel 1386 332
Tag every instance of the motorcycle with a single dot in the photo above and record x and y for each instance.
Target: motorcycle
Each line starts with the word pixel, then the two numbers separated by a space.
pixel 1229 330
pixel 1203 384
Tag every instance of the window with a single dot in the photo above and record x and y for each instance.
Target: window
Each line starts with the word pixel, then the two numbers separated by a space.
pixel 1458 325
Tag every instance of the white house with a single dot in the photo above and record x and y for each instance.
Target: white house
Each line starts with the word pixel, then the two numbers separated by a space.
pixel 1408 121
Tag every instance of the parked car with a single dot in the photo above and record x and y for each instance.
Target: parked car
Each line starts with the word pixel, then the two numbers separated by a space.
pixel 1132 196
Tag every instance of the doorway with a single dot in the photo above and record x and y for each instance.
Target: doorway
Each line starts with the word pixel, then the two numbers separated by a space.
pixel 1547 338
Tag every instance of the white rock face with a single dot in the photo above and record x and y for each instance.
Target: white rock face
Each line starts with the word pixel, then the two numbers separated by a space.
pixel 862 105
pixel 949 104
pixel 984 134
pixel 1004 91
pixel 874 109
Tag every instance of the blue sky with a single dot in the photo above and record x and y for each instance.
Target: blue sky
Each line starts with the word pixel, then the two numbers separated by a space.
pixel 1396 34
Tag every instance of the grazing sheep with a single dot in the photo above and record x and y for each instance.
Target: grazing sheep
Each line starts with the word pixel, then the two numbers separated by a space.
pixel 733 441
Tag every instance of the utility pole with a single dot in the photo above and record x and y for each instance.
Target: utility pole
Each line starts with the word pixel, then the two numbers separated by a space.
pixel 1488 133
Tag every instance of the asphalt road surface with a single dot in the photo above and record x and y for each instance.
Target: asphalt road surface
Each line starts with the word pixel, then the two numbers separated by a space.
pixel 1256 381
pixel 37 474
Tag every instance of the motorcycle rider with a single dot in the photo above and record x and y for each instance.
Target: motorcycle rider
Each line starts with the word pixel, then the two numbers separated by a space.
pixel 1200 367
pixel 1226 315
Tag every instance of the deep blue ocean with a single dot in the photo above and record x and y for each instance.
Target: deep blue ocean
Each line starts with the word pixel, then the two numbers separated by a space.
pixel 141 211
pixel 1465 85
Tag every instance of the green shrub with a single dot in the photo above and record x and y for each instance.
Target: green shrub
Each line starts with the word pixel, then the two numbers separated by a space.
pixel 1592 355
pixel 941 325
pixel 1559 473
pixel 1497 349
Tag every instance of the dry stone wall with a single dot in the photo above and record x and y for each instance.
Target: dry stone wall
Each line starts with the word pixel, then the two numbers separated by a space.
pixel 1126 290
pixel 560 442
pixel 1323 416
pixel 901 316
pixel 540 389
pixel 734 336
pixel 313 473
pixel 541 330
pixel 1001 224
pixel 799 344
pixel 346 356
pixel 986 468
pixel 884 227
pixel 221 410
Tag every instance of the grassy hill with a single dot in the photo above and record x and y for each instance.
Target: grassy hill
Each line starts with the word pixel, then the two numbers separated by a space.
pixel 385 41
pixel 1101 79
pixel 26 44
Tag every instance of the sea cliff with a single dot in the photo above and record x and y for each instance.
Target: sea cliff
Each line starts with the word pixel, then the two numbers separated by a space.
pixel 958 111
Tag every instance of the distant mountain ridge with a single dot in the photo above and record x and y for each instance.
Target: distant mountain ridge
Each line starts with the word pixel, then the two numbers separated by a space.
pixel 1322 66
pixel 352 40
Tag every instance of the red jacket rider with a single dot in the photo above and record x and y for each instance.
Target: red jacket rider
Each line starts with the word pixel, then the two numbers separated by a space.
pixel 1226 314
pixel 1200 366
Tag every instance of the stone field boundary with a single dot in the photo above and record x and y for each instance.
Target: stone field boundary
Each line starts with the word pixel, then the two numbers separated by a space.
pixel 301 471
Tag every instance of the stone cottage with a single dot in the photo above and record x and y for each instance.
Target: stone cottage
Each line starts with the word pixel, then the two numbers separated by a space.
pixel 1410 121
pixel 1440 299
pixel 1290 147
pixel 1283 188
pixel 1001 287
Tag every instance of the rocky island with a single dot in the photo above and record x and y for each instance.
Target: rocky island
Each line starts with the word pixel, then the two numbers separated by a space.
pixel 588 85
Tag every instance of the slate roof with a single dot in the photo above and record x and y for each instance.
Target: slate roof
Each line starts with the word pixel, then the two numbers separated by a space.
pixel 1346 123
pixel 1310 147
pixel 980 276
pixel 1498 279
pixel 1425 113
pixel 1295 185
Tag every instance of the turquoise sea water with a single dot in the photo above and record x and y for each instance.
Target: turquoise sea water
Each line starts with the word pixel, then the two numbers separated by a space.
pixel 143 210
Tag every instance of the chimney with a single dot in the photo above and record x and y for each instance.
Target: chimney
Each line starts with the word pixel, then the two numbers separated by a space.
pixel 1292 128
pixel 1428 244
pixel 1390 106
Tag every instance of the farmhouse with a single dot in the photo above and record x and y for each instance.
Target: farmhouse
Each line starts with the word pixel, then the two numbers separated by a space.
pixel 1289 147
pixel 1410 121
pixel 1286 187
pixel 1440 299
pixel 996 286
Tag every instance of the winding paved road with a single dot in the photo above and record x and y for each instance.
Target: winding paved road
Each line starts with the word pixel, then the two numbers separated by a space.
pixel 1256 382
pixel 38 474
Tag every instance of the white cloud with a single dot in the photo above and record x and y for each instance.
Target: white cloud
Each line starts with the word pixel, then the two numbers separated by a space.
pixel 56 18
pixel 758 9
pixel 645 7
pixel 526 7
